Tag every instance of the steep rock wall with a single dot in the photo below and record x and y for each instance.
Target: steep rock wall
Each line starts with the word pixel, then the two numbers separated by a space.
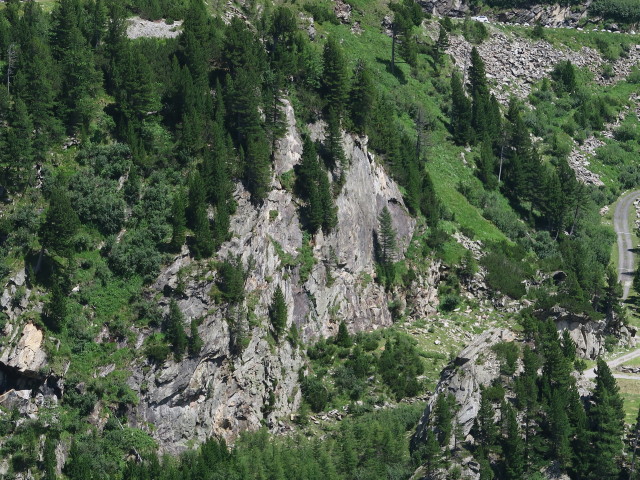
pixel 221 392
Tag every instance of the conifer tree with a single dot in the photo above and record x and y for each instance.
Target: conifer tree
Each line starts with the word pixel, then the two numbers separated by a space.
pixel 314 187
pixel 386 238
pixel 432 454
pixel 480 96
pixel 257 171
pixel 178 221
pixel 49 459
pixel 442 43
pixel 19 152
pixel 278 313
pixel 444 418
pixel 612 295
pixel 203 244
pixel 195 341
pixel 606 417
pixel 460 116
pixel 56 309
pixel 276 122
pixel 336 79
pixel 174 330
pixel 343 339
pixel 60 224
pixel 197 197
pixel 485 428
pixel 486 164
pixel 362 97
pixel 430 205
pixel 513 447
pixel 329 211
pixel 559 428
pixel 337 158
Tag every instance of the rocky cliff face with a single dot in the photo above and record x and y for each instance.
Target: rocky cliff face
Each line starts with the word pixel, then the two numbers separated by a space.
pixel 221 392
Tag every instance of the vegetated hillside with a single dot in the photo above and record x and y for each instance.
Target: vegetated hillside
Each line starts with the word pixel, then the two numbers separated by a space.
pixel 283 216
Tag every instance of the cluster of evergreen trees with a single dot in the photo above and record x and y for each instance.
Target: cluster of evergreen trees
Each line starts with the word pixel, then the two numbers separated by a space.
pixel 543 421
pixel 546 194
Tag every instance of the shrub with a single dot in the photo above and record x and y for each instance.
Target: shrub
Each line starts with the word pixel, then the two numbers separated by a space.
pixel 506 271
pixel 320 14
pixel 136 254
pixel 107 161
pixel 448 303
pixel 314 393
pixel 474 32
pixel 97 201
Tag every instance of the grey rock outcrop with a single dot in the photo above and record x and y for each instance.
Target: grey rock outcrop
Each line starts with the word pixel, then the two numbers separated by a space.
pixel 221 391
pixel 552 15
pixel 474 367
pixel 27 357
pixel 140 28
pixel 587 335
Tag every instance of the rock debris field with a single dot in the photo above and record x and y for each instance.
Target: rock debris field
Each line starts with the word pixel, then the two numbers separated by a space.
pixel 514 64
pixel 141 28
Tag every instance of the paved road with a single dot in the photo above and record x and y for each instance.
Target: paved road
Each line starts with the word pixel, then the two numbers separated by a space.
pixel 616 362
pixel 625 272
pixel 625 246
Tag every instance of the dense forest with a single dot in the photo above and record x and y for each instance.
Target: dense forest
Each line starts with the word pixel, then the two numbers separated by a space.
pixel 119 155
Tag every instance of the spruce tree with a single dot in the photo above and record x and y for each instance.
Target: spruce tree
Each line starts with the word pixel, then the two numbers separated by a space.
pixel 60 224
pixel 387 238
pixel 257 168
pixel 460 116
pixel 432 454
pixel 178 221
pixel 19 152
pixel 278 313
pixel 444 418
pixel 197 197
pixel 336 79
pixel 481 109
pixel 314 187
pixel 485 428
pixel 430 205
pixel 486 164
pixel 49 459
pixel 56 309
pixel 275 119
pixel 606 417
pixel 174 330
pixel 343 339
pixel 195 341
pixel 203 244
pixel 337 158
pixel 612 296
pixel 512 445
pixel 442 43
pixel 362 97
